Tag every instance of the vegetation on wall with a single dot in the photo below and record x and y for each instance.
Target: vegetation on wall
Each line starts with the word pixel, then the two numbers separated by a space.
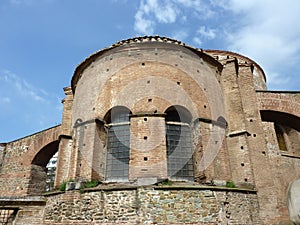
pixel 230 184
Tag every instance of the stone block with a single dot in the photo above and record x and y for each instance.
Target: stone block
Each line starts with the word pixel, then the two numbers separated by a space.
pixel 146 181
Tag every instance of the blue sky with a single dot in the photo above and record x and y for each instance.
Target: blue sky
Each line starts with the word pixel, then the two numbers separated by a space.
pixel 42 41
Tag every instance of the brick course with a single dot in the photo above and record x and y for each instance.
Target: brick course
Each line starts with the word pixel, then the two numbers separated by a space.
pixel 232 129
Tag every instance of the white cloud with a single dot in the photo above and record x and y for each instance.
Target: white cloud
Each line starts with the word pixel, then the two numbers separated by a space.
pixel 152 11
pixel 199 7
pixel 265 31
pixel 4 100
pixel 143 25
pixel 206 32
pixel 25 106
pixel 268 32
pixel 180 35
pixel 20 86
pixel 197 41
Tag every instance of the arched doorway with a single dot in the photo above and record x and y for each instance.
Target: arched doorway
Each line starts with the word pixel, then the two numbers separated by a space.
pixel 38 174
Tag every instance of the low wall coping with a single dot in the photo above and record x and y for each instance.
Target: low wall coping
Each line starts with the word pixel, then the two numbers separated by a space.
pixel 171 187
pixel 20 201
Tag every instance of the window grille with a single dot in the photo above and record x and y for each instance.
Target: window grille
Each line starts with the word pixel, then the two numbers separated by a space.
pixel 179 151
pixel 118 144
pixel 118 152
pixel 7 216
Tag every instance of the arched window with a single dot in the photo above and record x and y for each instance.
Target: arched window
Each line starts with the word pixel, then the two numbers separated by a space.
pixel 118 144
pixel 179 146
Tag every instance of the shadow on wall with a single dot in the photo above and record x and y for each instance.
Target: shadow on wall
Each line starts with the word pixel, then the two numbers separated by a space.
pixel 287 129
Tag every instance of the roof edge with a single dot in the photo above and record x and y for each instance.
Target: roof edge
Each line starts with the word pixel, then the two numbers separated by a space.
pixel 142 39
pixel 237 55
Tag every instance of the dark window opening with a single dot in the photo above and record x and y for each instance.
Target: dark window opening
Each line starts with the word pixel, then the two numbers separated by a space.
pixel 280 138
pixel 179 146
pixel 118 144
pixel 178 114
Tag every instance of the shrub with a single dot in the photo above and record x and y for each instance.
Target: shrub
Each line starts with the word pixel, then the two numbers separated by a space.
pixel 167 182
pixel 230 184
pixel 62 186
pixel 91 184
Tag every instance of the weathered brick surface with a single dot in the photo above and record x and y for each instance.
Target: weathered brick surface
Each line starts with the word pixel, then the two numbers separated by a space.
pixel 17 170
pixel 287 102
pixel 232 140
pixel 148 148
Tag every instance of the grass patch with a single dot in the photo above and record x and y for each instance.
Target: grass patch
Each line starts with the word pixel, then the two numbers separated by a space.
pixel 91 184
pixel 166 182
pixel 230 184
pixel 62 186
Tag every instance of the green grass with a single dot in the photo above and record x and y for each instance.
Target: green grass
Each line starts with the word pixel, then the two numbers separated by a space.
pixel 62 186
pixel 91 184
pixel 230 184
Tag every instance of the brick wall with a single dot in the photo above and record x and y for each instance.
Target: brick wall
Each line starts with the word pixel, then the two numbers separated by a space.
pixel 17 170
pixel 232 140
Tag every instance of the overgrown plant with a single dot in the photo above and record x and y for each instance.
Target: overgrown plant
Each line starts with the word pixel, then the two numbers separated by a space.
pixel 230 184
pixel 166 182
pixel 91 184
pixel 62 186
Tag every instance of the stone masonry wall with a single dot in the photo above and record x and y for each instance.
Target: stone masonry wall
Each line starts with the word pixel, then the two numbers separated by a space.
pixel 159 205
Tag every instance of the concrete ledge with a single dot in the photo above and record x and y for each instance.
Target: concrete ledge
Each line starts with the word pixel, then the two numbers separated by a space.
pixel 211 188
pixel 19 201
pixel 169 187
pixel 172 186
pixel 289 155
pixel 238 133
pixel 53 193
pixel 113 187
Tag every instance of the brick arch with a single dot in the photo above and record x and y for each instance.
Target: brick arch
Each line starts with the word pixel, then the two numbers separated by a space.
pixel 280 102
pixel 38 171
pixel 45 144
pixel 38 142
pixel 283 118
pixel 45 154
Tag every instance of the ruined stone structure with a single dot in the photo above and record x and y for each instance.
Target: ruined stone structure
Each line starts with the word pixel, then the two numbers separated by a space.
pixel 173 134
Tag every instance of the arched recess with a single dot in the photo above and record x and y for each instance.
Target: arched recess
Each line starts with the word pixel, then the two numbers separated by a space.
pixel 117 120
pixel 286 119
pixel 179 143
pixel 38 173
pixel 287 129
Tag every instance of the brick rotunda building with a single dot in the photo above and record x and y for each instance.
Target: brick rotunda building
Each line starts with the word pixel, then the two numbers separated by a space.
pixel 157 132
